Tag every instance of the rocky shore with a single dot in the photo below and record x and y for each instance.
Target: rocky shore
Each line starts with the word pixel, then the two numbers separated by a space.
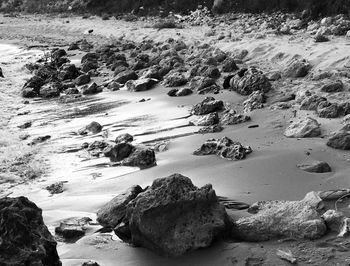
pixel 207 141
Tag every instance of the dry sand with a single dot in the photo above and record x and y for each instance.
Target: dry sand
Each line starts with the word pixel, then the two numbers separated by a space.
pixel 269 173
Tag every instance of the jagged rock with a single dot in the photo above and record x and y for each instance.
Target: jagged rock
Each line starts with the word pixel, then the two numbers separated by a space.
pixel 298 68
pixel 245 81
pixel 72 228
pixel 337 222
pixel 311 103
pixel 225 148
pixel 118 152
pixel 89 57
pixel 140 157
pixel 329 110
pixel 125 76
pixel 229 65
pixel 207 120
pixel 333 87
pixel 56 188
pixel 68 71
pixel 315 167
pixel 230 117
pixel 25 240
pixel 173 217
pixel 124 138
pixel 175 79
pixel 82 80
pixel 307 128
pixel 210 129
pixel 93 127
pixel 91 89
pixel 141 84
pixel 256 100
pixel 112 214
pixel 50 90
pixel 208 105
pixel 32 87
pixel 340 141
pixel 275 219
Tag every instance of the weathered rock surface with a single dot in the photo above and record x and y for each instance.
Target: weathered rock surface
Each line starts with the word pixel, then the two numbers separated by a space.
pixel 93 127
pixel 25 240
pixel 124 138
pixel 230 117
pixel 118 152
pixel 82 80
pixel 311 103
pixel 245 81
pixel 207 120
pixel 340 141
pixel 141 84
pixel 208 105
pixel 175 79
pixel 278 219
pixel 333 87
pixel 298 68
pixel 173 217
pixel 73 228
pixel 140 157
pixel 112 214
pixel 255 101
pixel 315 167
pixel 125 76
pixel 337 222
pixel 225 148
pixel 307 128
pixel 91 89
pixel 50 90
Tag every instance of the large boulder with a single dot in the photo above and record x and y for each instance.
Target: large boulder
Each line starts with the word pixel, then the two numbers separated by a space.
pixel 307 128
pixel 245 81
pixel 25 240
pixel 329 110
pixel 340 141
pixel 225 148
pixel 173 217
pixel 281 219
pixel 118 152
pixel 208 105
pixel 112 214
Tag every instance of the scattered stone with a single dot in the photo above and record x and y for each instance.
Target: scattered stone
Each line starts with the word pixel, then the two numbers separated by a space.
pixel 93 127
pixel 91 89
pixel 25 240
pixel 73 228
pixel 1 73
pixel 141 84
pixel 208 105
pixel 329 110
pixel 315 167
pixel 340 141
pixel 183 92
pixel 114 86
pixel 56 188
pixel 68 71
pixel 225 148
pixel 212 72
pixel 307 128
pixel 112 214
pixel 245 81
pixel 276 219
pixel 287 256
pixel 173 217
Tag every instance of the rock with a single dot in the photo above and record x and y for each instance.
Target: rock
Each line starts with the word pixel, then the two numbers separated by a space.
pixel 208 105
pixel 336 222
pixel 25 240
pixel 298 68
pixel 321 38
pixel 25 125
pixel 73 228
pixel 346 119
pixel 281 219
pixel 124 138
pixel 256 100
pixel 274 76
pixel 207 120
pixel 82 80
pixel 212 72
pixel 333 87
pixel 90 263
pixel 114 86
pixel 88 66
pixel 141 84
pixel 210 129
pixel 93 57
pixel 287 256
pixel 230 117
pixel 93 127
pixel 71 91
pixel 175 79
pixel 307 128
pixel 183 92
pixel 50 90
pixel 91 89
pixel 118 152
pixel 39 139
pixel 1 73
pixel 345 127
pixel 112 214
pixel 248 80
pixel 225 148
pixel 311 103
pixel 56 188
pixel 125 76
pixel 32 87
pixel 229 65
pixel 173 217
pixel 73 46
pixel 140 157
pixel 340 141
pixel 315 167
pixel 156 72
pixel 68 71
pixel 329 110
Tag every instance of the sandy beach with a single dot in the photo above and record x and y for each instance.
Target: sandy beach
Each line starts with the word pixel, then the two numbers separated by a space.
pixel 268 173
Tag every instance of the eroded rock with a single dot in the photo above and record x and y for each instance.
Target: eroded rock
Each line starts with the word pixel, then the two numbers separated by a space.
pixel 307 128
